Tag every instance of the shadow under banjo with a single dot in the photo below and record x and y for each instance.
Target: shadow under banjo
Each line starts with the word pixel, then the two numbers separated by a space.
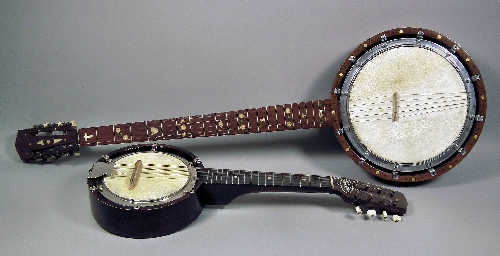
pixel 145 191
pixel 407 105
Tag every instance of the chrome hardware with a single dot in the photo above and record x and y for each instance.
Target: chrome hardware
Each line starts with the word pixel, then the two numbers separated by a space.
pixel 362 161
pixel 340 131
pixel 106 158
pixel 383 38
pixel 462 151
pixel 395 175
pixel 432 171
pixel 100 169
pixel 420 34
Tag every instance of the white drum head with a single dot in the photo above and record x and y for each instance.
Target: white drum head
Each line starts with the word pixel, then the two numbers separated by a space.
pixel 163 175
pixel 407 105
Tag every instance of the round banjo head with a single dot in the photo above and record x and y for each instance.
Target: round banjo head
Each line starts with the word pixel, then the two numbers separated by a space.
pixel 130 189
pixel 408 104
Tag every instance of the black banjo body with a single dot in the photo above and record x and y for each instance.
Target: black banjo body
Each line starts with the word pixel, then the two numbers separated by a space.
pixel 145 191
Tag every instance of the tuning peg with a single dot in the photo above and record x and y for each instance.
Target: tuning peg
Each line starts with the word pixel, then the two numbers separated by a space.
pixel 396 218
pixel 371 213
pixel 358 209
pixel 384 215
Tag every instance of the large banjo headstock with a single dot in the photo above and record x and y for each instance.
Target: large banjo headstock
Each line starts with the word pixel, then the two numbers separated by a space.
pixel 45 142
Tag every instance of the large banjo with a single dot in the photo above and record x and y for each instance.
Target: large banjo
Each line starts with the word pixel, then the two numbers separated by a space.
pixel 152 190
pixel 407 105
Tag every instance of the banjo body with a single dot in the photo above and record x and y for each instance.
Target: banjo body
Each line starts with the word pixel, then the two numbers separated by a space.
pixel 146 191
pixel 407 105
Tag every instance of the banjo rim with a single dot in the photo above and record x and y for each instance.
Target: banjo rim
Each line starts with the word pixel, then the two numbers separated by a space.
pixel 471 138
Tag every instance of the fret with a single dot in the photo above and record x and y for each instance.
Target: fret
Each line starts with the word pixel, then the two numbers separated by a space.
pixel 209 125
pixel 183 127
pixel 310 114
pixel 138 132
pixel 327 114
pixel 272 119
pixel 87 136
pixel 280 118
pixel 296 180
pixel 221 124
pixel 287 180
pixel 317 112
pixel 242 120
pixel 254 178
pixel 169 129
pixel 315 181
pixel 155 130
pixel 304 115
pixel 246 178
pixel 262 120
pixel 232 122
pixel 296 116
pixel 105 135
pixel 196 126
pixel 235 178
pixel 289 117
pixel 122 133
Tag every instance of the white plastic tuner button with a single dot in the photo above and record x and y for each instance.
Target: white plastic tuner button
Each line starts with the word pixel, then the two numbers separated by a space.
pixel 371 213
pixel 384 215
pixel 396 218
pixel 358 210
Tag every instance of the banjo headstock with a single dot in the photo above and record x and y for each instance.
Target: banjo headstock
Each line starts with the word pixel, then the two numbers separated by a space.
pixel 375 199
pixel 45 142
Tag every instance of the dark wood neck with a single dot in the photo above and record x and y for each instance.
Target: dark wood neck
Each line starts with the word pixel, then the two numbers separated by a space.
pixel 221 186
pixel 304 115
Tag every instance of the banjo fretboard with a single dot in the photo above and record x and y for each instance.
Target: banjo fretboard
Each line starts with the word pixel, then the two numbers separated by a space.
pixel 304 115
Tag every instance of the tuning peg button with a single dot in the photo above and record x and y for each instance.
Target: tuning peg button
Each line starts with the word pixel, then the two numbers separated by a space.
pixel 396 218
pixel 371 213
pixel 384 215
pixel 358 210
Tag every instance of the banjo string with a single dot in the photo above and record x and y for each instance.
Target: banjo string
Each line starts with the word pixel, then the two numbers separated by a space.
pixel 410 113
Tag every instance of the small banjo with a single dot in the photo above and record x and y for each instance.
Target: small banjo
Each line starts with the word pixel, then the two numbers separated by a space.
pixel 145 191
pixel 407 105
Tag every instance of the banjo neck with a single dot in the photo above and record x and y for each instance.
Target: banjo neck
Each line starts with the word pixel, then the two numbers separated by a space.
pixel 221 186
pixel 304 115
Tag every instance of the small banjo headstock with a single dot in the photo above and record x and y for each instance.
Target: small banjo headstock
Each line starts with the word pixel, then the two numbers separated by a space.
pixel 375 199
pixel 45 142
